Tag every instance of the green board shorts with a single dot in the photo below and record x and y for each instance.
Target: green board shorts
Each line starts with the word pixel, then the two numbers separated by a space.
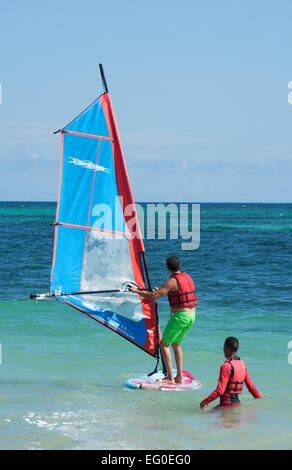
pixel 178 326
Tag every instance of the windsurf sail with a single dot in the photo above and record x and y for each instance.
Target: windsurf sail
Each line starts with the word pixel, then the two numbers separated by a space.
pixel 98 248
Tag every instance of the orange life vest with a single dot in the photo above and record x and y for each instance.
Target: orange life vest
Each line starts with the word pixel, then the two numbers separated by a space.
pixel 185 296
pixel 237 375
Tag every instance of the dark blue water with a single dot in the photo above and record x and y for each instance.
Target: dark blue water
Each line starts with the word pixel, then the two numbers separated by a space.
pixel 61 373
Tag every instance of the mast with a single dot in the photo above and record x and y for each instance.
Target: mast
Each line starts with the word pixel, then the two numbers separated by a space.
pixel 103 78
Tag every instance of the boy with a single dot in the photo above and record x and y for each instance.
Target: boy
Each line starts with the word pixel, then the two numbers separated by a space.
pixel 233 375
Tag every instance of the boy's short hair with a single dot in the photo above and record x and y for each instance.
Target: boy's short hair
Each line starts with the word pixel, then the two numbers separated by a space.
pixel 173 263
pixel 232 343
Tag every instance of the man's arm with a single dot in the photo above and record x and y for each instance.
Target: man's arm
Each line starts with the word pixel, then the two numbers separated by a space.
pixel 158 293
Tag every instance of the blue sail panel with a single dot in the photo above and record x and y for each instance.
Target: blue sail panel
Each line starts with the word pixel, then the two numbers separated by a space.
pixel 79 153
pixel 66 273
pixel 90 121
pixel 133 330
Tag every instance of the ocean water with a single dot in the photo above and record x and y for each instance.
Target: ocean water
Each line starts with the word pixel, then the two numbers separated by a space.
pixel 61 373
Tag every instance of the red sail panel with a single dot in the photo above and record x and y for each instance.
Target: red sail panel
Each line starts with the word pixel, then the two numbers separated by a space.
pixel 136 242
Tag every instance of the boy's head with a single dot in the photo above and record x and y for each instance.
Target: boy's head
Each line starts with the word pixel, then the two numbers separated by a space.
pixel 173 264
pixel 231 346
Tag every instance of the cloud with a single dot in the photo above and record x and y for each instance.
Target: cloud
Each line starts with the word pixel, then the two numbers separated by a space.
pixel 34 155
pixel 19 159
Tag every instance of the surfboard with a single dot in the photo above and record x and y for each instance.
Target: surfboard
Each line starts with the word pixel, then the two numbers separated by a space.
pixel 154 382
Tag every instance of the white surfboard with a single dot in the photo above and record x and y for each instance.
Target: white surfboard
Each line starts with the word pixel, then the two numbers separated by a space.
pixel 154 382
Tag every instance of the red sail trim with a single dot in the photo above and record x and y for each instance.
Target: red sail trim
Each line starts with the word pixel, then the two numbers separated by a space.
pixel 154 337
pixel 122 179
pixel 135 243
pixel 86 135
pixel 84 227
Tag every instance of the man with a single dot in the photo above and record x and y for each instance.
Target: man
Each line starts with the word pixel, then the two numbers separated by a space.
pixel 233 374
pixel 182 299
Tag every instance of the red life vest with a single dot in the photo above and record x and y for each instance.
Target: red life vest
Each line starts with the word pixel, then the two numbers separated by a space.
pixel 185 296
pixel 237 375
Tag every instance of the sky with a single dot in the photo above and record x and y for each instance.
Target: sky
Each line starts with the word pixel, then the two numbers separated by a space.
pixel 200 92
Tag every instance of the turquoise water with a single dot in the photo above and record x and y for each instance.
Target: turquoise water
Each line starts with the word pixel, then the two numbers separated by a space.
pixel 61 374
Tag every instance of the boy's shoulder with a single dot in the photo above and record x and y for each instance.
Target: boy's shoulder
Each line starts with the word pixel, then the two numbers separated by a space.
pixel 227 364
pixel 225 367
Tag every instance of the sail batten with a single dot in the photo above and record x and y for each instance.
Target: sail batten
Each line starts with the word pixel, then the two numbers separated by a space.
pixel 84 227
pixel 87 135
pixel 94 249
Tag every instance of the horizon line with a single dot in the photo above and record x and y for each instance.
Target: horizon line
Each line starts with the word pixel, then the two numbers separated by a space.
pixel 159 202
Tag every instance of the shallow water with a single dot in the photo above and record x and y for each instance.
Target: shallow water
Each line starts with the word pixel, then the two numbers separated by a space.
pixel 62 373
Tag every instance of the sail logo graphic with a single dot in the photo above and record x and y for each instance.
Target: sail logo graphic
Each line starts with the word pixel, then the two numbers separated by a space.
pixel 88 164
